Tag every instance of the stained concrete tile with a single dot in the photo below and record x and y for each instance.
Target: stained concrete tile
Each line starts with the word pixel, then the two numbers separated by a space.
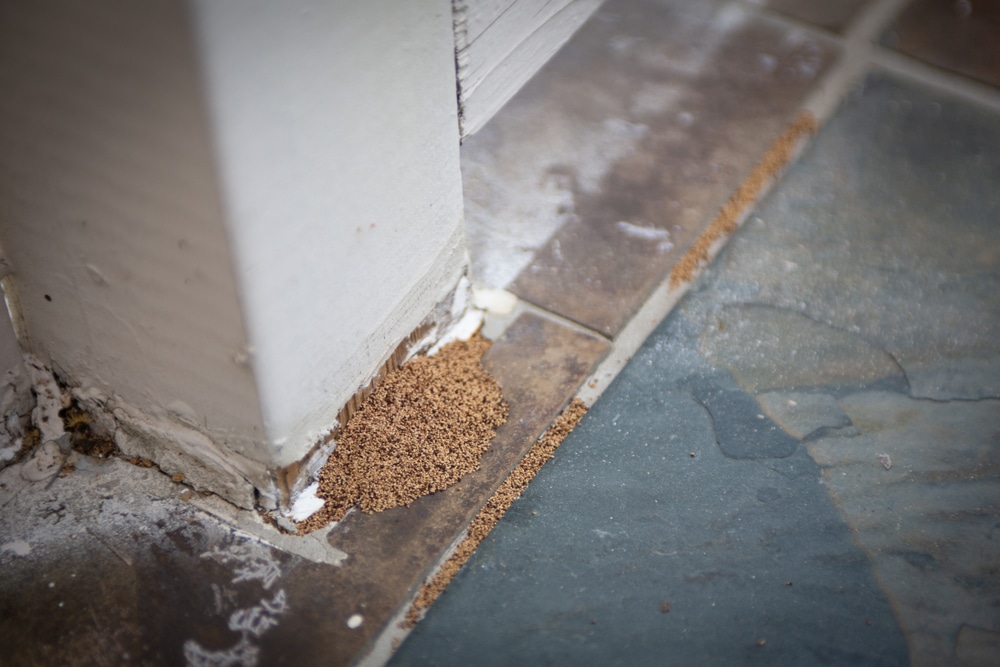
pixel 593 181
pixel 111 566
pixel 832 15
pixel 957 36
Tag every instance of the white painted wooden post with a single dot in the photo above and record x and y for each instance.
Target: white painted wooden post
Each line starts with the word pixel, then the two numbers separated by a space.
pixel 501 44
pixel 223 216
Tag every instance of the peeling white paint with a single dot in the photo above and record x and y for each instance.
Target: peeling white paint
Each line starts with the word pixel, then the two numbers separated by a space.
pixel 44 464
pixel 203 462
pixel 16 399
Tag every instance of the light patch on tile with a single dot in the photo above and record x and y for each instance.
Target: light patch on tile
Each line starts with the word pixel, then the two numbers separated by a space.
pixel 519 193
pixel 661 236
pixel 16 547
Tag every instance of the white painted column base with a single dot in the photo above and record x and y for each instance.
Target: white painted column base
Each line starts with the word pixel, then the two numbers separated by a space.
pixel 222 217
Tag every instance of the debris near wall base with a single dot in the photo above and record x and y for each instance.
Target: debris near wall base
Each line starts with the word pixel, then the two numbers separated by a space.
pixel 494 509
pixel 424 428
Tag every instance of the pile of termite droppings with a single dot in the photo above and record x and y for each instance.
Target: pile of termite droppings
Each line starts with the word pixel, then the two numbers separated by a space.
pixel 425 426
pixel 494 509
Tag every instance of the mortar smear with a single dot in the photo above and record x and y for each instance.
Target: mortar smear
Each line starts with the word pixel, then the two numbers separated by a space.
pixel 494 509
pixel 427 425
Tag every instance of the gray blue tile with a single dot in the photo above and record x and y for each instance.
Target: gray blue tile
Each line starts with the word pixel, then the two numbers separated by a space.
pixel 803 460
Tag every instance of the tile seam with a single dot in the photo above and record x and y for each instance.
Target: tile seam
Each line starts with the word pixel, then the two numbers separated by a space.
pixel 767 172
pixel 562 320
pixel 465 545
pixel 789 22
pixel 494 509
pixel 939 79
pixel 857 47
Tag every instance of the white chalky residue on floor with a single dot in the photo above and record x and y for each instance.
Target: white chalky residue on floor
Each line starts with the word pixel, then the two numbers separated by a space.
pixel 252 565
pixel 662 236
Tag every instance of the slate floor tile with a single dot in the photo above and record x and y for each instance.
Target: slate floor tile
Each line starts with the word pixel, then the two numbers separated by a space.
pixel 751 558
pixel 853 519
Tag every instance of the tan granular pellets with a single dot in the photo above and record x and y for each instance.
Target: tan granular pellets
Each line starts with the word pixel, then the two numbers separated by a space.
pixel 494 509
pixel 426 426
pixel 726 222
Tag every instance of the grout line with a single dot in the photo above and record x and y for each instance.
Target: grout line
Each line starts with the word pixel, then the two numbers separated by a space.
pixel 531 307
pixel 857 47
pixel 872 19
pixel 384 644
pixel 943 80
pixel 382 647
pixel 792 23
pixel 631 338
pixel 783 152
pixel 493 510
pixel 495 324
